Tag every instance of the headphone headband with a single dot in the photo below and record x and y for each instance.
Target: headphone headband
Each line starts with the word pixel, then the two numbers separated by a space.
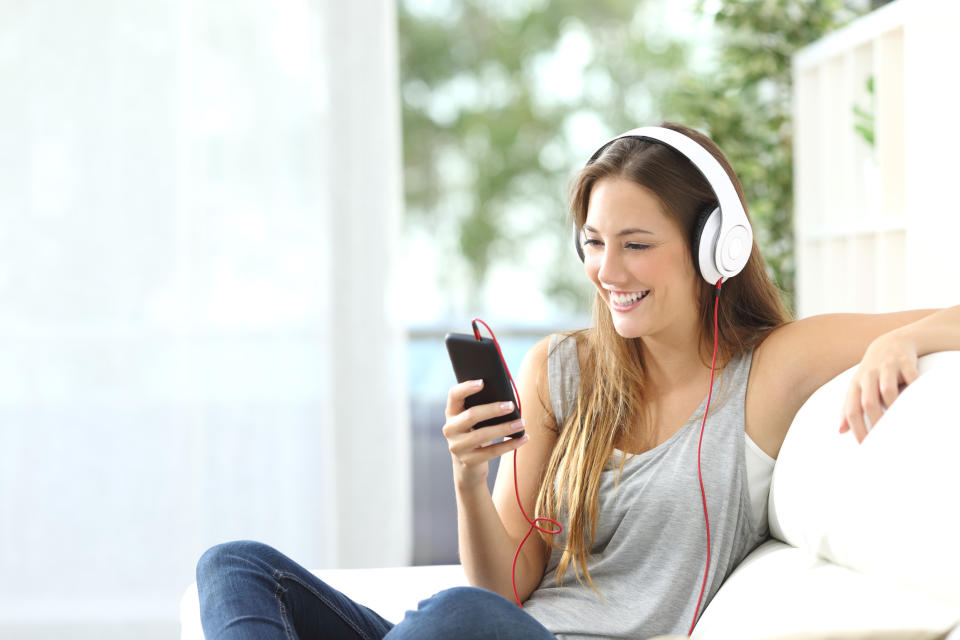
pixel 734 239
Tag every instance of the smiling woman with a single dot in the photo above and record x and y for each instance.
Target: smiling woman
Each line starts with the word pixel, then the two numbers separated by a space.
pixel 616 418
pixel 640 206
pixel 656 273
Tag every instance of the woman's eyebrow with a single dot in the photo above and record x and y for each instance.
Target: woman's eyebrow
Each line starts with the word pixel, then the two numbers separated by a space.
pixel 625 232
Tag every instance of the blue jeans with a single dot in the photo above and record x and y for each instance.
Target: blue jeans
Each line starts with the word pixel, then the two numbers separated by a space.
pixel 251 591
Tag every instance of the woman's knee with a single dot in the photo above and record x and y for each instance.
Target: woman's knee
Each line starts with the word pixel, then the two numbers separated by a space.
pixel 466 598
pixel 222 559
pixel 467 613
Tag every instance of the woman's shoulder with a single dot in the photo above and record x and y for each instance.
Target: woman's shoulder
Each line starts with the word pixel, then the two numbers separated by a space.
pixel 569 346
pixel 555 352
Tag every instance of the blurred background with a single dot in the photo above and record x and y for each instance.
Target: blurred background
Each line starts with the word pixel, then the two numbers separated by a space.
pixel 233 236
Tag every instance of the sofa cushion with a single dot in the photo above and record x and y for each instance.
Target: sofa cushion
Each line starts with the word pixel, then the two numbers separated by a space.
pixel 887 507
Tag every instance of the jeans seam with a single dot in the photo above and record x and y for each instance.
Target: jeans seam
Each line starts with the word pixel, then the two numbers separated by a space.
pixel 278 575
pixel 278 593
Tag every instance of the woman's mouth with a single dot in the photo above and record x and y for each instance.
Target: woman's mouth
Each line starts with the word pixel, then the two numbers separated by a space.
pixel 623 301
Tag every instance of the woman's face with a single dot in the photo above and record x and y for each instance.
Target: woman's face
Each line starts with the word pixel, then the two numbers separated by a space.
pixel 639 260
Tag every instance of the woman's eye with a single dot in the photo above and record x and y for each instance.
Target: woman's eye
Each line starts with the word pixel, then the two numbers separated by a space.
pixel 591 242
pixel 636 246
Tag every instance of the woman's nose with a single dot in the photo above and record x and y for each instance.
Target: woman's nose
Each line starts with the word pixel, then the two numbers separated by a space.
pixel 611 267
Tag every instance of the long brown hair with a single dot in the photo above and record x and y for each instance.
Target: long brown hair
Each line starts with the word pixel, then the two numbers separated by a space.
pixel 613 379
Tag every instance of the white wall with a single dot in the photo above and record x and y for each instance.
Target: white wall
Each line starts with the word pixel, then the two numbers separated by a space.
pixel 876 227
pixel 199 204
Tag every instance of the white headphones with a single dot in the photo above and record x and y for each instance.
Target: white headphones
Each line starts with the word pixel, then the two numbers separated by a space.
pixel 723 238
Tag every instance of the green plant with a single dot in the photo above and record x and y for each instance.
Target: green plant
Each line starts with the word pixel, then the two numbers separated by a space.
pixel 487 155
pixel 487 147
pixel 745 105
pixel 864 124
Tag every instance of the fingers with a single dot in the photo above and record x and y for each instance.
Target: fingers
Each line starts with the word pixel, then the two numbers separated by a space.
pixel 861 409
pixel 870 401
pixel 889 386
pixel 909 372
pixel 458 394
pixel 461 443
pixel 888 365
pixel 470 448
pixel 476 454
pixel 466 419
pixel 853 413
pixel 871 394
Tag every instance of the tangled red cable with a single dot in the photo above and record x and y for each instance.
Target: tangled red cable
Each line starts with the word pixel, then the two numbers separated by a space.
pixel 516 486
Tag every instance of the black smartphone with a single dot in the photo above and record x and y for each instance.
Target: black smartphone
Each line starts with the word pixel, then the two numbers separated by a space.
pixel 474 359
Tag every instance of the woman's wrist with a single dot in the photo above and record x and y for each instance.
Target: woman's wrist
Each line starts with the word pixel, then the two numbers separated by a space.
pixel 471 488
pixel 939 331
pixel 907 335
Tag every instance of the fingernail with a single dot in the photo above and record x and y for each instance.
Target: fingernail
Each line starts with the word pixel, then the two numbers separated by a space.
pixel 506 406
pixel 476 383
pixel 517 425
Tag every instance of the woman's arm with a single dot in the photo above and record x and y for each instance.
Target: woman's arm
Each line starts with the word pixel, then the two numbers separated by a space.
pixel 890 363
pixel 491 527
pixel 799 357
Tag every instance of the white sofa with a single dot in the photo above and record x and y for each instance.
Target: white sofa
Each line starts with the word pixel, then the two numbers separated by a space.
pixel 864 536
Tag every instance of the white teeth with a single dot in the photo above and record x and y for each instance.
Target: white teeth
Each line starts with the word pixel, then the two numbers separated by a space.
pixel 626 299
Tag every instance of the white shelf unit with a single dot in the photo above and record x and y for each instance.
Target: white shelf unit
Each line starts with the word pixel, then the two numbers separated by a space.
pixel 878 228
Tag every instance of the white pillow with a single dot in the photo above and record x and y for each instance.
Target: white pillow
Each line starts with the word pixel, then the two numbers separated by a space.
pixel 887 507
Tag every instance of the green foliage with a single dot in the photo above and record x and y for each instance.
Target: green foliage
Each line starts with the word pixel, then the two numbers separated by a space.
pixel 864 124
pixel 746 107
pixel 488 151
pixel 487 154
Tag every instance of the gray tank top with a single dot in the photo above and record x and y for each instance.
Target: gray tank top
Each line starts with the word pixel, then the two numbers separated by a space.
pixel 649 552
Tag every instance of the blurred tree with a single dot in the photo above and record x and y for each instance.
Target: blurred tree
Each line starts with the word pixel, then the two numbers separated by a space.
pixel 503 100
pixel 490 96
pixel 745 106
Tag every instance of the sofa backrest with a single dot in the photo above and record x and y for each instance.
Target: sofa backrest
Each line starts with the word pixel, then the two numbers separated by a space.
pixel 890 506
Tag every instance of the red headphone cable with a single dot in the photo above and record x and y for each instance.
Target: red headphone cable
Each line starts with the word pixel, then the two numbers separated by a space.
pixel 559 528
pixel 516 487
pixel 703 494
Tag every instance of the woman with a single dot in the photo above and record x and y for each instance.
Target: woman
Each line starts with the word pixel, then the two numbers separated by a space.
pixel 616 445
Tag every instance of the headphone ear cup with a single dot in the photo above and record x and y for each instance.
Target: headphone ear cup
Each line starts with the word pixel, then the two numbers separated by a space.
pixel 704 244
pixel 697 232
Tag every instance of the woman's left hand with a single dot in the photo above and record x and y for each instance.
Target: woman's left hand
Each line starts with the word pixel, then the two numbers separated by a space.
pixel 889 365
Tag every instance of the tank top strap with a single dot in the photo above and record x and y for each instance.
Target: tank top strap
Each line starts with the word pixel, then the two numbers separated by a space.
pixel 563 375
pixel 732 385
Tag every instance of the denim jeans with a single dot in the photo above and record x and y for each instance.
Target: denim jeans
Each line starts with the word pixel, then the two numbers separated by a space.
pixel 251 591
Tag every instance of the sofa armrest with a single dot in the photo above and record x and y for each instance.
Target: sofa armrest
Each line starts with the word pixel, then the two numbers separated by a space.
pixel 887 507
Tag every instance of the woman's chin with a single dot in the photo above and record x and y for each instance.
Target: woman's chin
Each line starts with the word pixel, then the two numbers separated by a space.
pixel 626 327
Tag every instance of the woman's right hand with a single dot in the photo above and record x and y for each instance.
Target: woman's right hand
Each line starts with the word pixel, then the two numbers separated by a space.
pixel 470 448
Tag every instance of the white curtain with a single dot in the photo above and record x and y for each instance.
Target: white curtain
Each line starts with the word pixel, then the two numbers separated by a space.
pixel 200 339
